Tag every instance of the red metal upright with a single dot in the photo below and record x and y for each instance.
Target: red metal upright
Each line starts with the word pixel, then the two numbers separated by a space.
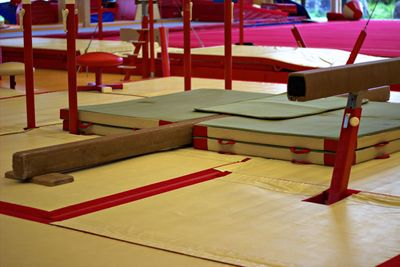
pixel 344 155
pixel 100 19
pixel 187 63
pixel 151 33
pixel 164 52
pixel 228 44
pixel 241 22
pixel 71 63
pixel 357 47
pixel 348 138
pixel 145 47
pixel 28 60
pixel 298 37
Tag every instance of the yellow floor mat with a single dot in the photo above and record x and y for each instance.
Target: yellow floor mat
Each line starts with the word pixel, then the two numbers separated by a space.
pixel 108 179
pixel 378 176
pixel 25 244
pixel 252 221
pixel 8 93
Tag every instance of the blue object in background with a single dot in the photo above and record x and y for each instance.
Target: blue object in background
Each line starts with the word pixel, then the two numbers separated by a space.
pixel 8 11
pixel 221 1
pixel 107 17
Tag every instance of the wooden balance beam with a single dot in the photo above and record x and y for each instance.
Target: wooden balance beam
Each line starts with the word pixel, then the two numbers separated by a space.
pixel 325 82
pixel 88 153
pixel 352 79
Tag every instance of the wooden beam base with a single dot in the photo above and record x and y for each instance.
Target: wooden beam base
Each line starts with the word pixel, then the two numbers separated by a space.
pixel 52 179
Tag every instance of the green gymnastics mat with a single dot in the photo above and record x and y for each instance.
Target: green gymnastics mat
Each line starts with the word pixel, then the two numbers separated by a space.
pixel 318 132
pixel 154 111
pixel 277 107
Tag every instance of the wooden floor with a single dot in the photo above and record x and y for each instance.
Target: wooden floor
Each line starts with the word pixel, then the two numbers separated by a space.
pixel 252 217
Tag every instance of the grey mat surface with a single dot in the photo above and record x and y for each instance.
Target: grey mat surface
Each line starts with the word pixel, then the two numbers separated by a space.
pixel 277 107
pixel 318 126
pixel 173 107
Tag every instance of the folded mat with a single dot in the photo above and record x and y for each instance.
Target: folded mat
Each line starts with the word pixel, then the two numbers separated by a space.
pixel 277 107
pixel 296 155
pixel 153 111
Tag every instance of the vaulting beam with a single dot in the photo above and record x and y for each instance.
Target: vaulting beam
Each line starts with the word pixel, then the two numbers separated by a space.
pixel 93 152
pixel 325 82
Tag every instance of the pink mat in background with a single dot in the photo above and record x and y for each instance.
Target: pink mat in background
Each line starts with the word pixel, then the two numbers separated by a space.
pixel 383 38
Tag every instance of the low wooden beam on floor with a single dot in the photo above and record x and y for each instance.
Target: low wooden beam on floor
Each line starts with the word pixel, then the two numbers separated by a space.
pixel 88 153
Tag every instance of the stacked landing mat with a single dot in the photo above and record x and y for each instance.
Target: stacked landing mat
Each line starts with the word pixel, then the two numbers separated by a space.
pixel 153 111
pixel 276 128
pixel 255 124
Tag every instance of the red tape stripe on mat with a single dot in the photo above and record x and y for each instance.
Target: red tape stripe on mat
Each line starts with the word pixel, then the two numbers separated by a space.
pixel 90 206
pixel 393 262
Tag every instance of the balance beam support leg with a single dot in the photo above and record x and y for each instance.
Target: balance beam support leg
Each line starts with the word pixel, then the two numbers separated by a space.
pixel 344 155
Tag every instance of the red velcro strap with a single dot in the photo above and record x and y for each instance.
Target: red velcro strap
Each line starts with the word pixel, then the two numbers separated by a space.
pixel 381 144
pixel 300 161
pixel 85 125
pixel 64 114
pixel 226 142
pixel 330 145
pixel 298 150
pixel 199 130
pixel 161 122
pixel 200 143
pixel 384 156
pixel 329 159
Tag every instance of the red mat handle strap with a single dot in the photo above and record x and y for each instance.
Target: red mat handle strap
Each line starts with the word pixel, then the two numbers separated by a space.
pixel 296 161
pixel 383 156
pixel 382 144
pixel 226 142
pixel 298 150
pixel 85 125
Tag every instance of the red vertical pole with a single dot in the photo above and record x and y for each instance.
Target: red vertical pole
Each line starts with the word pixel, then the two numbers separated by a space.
pixel 357 47
pixel 1 58
pixel 298 37
pixel 187 63
pixel 100 18
pixel 164 52
pixel 71 63
pixel 145 47
pixel 344 155
pixel 28 60
pixel 241 22
pixel 228 44
pixel 151 32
